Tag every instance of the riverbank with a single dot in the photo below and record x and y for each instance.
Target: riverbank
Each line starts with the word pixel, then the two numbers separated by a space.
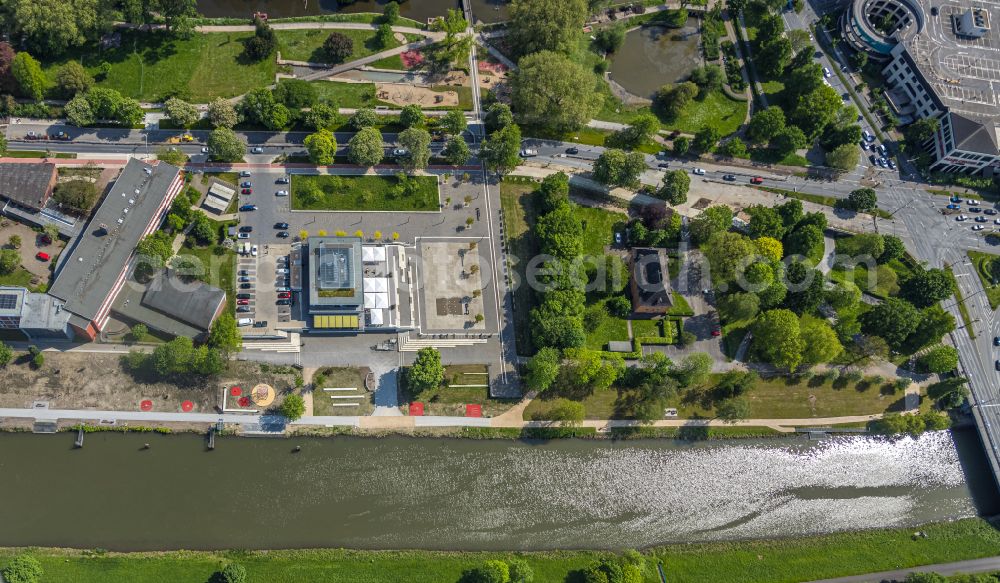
pixel 771 561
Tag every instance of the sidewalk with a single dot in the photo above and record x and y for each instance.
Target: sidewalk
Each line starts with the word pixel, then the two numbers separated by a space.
pixel 986 565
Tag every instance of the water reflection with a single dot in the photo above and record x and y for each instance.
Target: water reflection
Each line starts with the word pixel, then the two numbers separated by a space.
pixel 455 494
pixel 653 56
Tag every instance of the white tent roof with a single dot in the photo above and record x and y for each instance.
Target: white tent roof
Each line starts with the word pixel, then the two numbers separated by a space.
pixel 373 254
pixel 376 300
pixel 375 317
pixel 376 284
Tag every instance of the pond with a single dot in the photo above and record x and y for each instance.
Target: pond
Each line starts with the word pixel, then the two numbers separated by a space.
pixel 653 56
pixel 399 492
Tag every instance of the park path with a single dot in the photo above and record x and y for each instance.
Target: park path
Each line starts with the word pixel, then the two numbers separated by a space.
pixel 314 26
pixel 968 567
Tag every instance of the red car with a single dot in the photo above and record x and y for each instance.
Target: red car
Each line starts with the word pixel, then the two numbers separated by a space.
pixel 243 302
pixel 246 191
pixel 756 180
pixel 284 295
pixel 42 256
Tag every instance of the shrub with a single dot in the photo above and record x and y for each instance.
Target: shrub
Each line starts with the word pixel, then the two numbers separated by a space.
pixel 233 573
pixel 23 569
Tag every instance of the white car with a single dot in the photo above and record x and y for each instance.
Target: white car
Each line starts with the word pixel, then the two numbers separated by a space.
pixel 281 271
pixel 528 153
pixel 243 236
pixel 699 171
pixel 961 218
pixel 204 150
pixel 977 227
pixel 282 180
pixel 257 150
pixel 244 322
pixel 996 221
pixel 400 152
pixel 245 173
pixel 973 202
pixel 827 73
pixel 281 193
pixel 253 251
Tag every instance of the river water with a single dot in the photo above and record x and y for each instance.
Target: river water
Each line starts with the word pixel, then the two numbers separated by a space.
pixel 402 492
pixel 653 56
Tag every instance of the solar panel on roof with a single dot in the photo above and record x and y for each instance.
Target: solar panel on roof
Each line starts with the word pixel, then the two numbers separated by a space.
pixel 8 301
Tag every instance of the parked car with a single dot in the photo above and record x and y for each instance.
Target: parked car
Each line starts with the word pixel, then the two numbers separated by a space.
pixel 282 180
pixel 281 193
pixel 954 206
pixel 242 296
pixel 699 171
pixel 996 364
pixel 867 136
pixel 243 302
pixel 246 191
pixel 973 202
pixel 996 341
pixel 827 73
pixel 400 152
pixel 955 199
pixel 246 184
pixel 244 173
pixel 246 229
pixel 280 225
pixel 663 165
pixel 873 160
pixel 260 324
pixel 283 302
pixel 244 278
pixel 248 207
pixel 975 209
pixel 981 219
pixel 729 177
pixel 961 218
pixel 990 211
pixel 528 153
pixel 996 221
pixel 282 234
pixel 864 145
pixel 204 150
pixel 890 164
pixel 257 150
pixel 253 251
pixel 243 272
pixel 243 236
pixel 246 286
pixel 281 271
pixel 284 295
pixel 42 256
pixel 977 227
pixel 243 309
pixel 244 322
pixel 756 180
pixel 572 150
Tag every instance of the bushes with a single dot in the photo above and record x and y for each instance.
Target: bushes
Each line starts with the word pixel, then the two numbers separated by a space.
pixel 23 569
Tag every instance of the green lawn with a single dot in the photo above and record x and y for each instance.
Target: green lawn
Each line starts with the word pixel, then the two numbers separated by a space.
pixel 352 95
pixel 519 218
pixel 36 154
pixel 307 45
pixel 599 227
pixel 370 193
pixel 784 560
pixel 20 277
pixel 982 262
pixel 219 269
pixel 150 66
pixel 646 328
pixel 611 328
pixel 770 398
pixel 394 63
pixel 716 110
pixel 340 378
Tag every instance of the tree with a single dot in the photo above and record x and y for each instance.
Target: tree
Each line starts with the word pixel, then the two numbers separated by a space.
pixel 498 116
pixel 411 116
pixel 949 393
pixel 803 240
pixel 843 295
pixel 940 360
pixel 708 78
pixel 894 249
pixel 520 571
pixel 714 219
pixel 816 109
pixel 259 106
pixel 739 306
pixel 675 187
pixel 234 573
pixel 733 410
pixel 78 196
pixel 202 229
pixel 862 199
pixel 6 59
pixel 773 56
pixel 262 43
pixel 642 128
pixel 671 100
pixel 23 569
pixel 542 369
pixel 390 14
pixel 862 246
pixel 493 571
pixel 928 286
pixel 592 369
pixel 618 168
pixel 338 47
pixel 770 248
pixel 894 319
pixel 681 145
pixel 322 147
pixel 15 241
pixel 501 149
pixel 296 93
pixel 6 354
pixel 72 78
pixel 765 124
pixel 609 39
pixel 553 193
pixel 734 148
pixel 10 260
pixel 222 114
pixel 417 142
pixel 456 151
pixel 560 233
pixel 78 111
pixel 225 146
pixel 293 407
pixel 705 139
pixel 805 288
pixel 843 157
pixel 551 91
pixel 567 413
pixel 365 148
pixel 364 117
pixel 383 36
pixel 50 27
pixel 427 372
pixel 935 322
pixel 181 113
pixel 777 340
pixel 546 25
pixel 693 370
pixel 453 122
pixel 765 222
pixel 820 342
pixel 29 76
pixel 224 334
pixel 321 116
pixel 138 332
pixel 727 252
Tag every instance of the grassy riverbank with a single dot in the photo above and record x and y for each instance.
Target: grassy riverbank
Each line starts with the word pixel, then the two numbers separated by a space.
pixel 773 561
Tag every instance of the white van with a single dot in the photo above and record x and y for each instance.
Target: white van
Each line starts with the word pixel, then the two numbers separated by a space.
pixel 244 322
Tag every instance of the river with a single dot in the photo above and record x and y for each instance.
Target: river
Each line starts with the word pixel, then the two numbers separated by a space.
pixel 400 492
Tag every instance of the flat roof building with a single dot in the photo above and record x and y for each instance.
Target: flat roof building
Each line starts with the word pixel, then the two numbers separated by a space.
pixel 172 304
pixel 92 271
pixel 939 62
pixel 28 185
pixel 36 315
